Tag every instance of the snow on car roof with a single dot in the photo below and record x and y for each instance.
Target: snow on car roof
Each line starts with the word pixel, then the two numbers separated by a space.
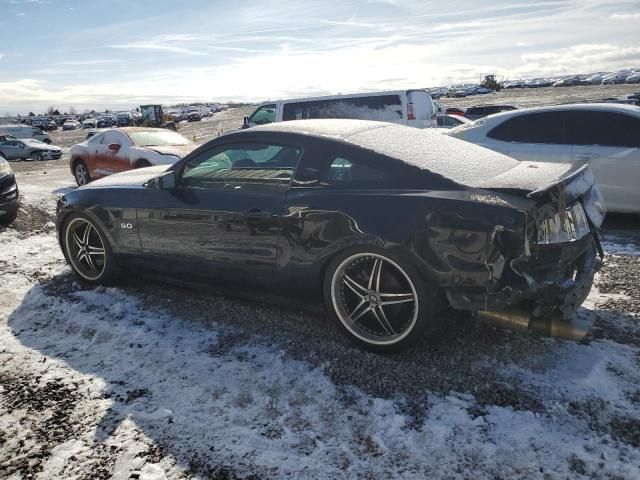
pixel 462 162
pixel 602 107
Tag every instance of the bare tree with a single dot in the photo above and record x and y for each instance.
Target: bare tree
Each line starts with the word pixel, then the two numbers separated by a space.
pixel 72 110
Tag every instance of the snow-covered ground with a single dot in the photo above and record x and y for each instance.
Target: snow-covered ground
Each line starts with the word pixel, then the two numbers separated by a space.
pixel 146 383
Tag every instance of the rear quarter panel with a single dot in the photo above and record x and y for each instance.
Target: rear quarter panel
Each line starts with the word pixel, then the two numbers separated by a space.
pixel 447 236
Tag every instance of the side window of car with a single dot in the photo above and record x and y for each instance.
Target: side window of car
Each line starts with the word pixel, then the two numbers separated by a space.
pixel 264 115
pixel 543 127
pixel 607 129
pixel 345 172
pixel 250 162
pixel 115 137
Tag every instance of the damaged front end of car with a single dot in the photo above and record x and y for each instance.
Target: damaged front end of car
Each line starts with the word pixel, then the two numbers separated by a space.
pixel 532 271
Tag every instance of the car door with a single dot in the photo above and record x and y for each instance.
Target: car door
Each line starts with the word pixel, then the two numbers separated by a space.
pixel 108 159
pixel 10 151
pixel 610 143
pixel 222 220
pixel 536 137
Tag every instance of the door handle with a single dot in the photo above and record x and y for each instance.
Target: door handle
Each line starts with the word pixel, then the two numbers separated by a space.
pixel 587 156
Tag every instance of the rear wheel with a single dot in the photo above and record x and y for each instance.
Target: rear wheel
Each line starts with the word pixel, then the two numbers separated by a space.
pixel 81 173
pixel 88 251
pixel 380 302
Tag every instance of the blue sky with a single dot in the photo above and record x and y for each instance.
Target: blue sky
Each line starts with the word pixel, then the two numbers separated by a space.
pixel 122 53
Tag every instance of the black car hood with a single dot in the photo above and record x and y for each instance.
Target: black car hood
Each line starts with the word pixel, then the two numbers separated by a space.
pixel 130 178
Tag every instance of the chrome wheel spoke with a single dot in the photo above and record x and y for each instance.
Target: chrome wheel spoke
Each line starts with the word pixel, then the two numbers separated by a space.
pixel 95 250
pixel 89 261
pixel 86 234
pixel 362 308
pixel 382 320
pixel 77 240
pixel 375 274
pixel 354 286
pixel 393 298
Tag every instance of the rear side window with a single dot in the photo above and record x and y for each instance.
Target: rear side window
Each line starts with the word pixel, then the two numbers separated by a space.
pixel 344 172
pixel 385 108
pixel 544 127
pixel 608 129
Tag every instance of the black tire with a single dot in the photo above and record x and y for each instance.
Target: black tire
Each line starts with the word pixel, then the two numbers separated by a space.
pixel 81 173
pixel 47 141
pixel 36 156
pixel 393 306
pixel 8 218
pixel 88 251
pixel 142 163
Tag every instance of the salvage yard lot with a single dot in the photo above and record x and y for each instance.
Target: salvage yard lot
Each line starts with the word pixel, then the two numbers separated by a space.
pixel 154 381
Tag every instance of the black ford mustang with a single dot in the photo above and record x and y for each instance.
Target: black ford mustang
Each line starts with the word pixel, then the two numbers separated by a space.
pixel 379 222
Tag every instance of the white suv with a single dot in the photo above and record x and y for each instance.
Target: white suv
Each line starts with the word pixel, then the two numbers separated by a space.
pixel 607 136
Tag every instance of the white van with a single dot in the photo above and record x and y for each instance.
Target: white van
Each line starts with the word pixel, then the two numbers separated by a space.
pixel 414 108
pixel 25 131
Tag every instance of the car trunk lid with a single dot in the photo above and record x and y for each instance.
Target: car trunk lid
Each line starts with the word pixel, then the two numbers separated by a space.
pixel 553 184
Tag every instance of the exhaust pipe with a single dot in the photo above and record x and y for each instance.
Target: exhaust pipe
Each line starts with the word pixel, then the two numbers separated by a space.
pixel 554 326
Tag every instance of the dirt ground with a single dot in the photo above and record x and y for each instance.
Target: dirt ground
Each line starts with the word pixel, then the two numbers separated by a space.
pixel 151 381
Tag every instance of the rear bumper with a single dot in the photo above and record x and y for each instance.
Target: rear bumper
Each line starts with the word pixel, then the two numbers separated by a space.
pixel 554 281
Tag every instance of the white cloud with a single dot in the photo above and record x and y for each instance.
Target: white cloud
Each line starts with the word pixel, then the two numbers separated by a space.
pixel 625 16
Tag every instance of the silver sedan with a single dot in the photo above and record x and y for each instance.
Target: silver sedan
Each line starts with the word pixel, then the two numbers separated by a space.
pixel 27 149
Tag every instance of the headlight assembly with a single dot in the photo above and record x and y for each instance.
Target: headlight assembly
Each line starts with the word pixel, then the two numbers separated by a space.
pixel 4 167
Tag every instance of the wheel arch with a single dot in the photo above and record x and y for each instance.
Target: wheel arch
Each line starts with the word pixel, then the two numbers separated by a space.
pixel 380 246
pixel 97 214
pixel 139 161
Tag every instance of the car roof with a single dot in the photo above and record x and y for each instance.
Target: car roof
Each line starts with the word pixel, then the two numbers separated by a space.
pixel 601 107
pixel 427 149
pixel 349 95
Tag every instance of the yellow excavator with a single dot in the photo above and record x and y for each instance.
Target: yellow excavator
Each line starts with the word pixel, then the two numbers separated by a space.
pixel 152 116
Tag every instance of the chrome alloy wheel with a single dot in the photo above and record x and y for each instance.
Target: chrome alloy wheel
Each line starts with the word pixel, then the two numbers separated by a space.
pixel 374 299
pixel 82 175
pixel 85 249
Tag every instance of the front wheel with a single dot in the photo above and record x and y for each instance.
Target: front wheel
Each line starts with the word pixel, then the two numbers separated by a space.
pixel 380 302
pixel 88 251
pixel 37 156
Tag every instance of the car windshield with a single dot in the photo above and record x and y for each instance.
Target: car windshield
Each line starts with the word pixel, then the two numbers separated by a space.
pixel 157 139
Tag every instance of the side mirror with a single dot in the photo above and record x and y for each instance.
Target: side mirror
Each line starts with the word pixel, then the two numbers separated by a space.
pixel 114 147
pixel 245 123
pixel 166 181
